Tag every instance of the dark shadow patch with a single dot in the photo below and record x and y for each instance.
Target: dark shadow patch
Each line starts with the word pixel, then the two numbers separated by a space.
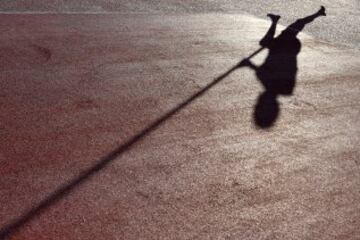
pixel 42 51
pixel 278 72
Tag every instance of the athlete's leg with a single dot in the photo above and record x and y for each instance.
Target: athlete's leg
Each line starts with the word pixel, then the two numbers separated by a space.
pixel 299 25
pixel 269 36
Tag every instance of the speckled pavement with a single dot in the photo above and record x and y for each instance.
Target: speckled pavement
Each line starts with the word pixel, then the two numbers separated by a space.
pixel 104 134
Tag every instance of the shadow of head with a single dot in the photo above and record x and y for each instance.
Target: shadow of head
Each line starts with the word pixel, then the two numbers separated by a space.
pixel 266 110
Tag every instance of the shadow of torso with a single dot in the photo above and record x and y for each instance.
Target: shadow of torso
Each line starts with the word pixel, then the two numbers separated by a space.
pixel 278 73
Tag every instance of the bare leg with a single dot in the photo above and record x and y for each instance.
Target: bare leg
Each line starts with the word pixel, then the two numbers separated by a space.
pixel 299 25
pixel 269 36
pixel 311 18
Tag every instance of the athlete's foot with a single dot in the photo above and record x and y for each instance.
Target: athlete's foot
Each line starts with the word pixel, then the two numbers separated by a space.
pixel 274 17
pixel 321 12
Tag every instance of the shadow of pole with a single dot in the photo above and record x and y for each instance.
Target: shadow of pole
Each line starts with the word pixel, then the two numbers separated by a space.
pixel 66 188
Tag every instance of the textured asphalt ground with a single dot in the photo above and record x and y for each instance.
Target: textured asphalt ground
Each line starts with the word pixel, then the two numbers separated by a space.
pixel 340 27
pixel 110 129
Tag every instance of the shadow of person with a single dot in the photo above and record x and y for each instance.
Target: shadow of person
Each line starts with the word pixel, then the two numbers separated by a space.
pixel 278 72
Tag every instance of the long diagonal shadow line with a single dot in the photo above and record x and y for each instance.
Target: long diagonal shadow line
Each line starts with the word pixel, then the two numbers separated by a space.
pixel 65 189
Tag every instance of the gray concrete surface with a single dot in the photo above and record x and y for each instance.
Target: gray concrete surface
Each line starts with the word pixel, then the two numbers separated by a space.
pixel 340 27
pixel 77 87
